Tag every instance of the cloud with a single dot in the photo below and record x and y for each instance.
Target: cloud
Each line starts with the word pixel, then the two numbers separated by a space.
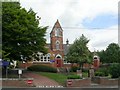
pixel 99 39
pixel 104 21
pixel 72 13
pixel 102 38
pixel 81 9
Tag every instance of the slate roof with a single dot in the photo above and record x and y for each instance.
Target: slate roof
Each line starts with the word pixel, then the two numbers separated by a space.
pixel 66 48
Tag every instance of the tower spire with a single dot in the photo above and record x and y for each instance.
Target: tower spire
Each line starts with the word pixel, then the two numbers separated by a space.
pixel 67 42
pixel 57 24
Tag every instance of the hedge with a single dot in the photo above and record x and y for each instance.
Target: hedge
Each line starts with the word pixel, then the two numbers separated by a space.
pixel 74 77
pixel 42 68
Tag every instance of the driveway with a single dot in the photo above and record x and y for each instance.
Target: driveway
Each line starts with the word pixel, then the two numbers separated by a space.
pixel 41 81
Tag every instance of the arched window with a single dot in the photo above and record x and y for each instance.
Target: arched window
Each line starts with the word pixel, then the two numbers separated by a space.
pixel 58 56
pixel 57 45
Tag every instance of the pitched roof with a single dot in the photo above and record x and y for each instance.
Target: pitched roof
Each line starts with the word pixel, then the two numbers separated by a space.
pixel 66 48
pixel 56 25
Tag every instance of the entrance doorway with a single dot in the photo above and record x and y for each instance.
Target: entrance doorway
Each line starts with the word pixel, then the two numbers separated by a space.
pixel 58 61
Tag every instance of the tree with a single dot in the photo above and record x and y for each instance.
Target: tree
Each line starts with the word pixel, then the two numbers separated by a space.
pixel 79 52
pixel 111 54
pixel 21 34
pixel 102 55
pixel 114 70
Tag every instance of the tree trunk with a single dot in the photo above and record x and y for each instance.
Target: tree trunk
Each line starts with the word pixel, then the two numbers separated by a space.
pixel 81 66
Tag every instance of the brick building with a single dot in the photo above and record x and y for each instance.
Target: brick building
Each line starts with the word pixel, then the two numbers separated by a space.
pixel 57 50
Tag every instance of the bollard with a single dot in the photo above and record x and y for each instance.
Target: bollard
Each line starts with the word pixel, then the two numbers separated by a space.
pixel 69 82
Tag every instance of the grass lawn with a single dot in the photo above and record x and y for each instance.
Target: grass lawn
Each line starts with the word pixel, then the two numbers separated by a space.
pixel 60 78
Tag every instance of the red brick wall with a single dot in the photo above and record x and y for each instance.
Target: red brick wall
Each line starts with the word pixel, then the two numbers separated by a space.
pixel 24 65
pixel 105 81
pixel 79 82
pixel 16 83
pixel 67 65
pixel 30 64
pixel 53 42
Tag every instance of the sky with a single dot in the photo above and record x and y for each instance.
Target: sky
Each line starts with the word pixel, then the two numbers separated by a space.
pixel 96 19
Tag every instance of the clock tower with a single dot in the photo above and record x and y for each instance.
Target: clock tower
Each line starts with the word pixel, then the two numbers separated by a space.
pixel 56 38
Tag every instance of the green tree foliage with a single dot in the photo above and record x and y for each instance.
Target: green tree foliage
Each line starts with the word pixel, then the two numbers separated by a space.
pixel 111 54
pixel 79 52
pixel 21 33
pixel 115 70
pixel 102 55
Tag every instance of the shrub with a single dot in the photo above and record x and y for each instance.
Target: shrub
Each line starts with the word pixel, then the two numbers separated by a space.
pixel 105 71
pixel 99 74
pixel 85 70
pixel 115 70
pixel 42 68
pixel 102 72
pixel 74 77
pixel 74 69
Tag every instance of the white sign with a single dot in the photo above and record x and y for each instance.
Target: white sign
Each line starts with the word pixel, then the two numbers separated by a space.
pixel 19 71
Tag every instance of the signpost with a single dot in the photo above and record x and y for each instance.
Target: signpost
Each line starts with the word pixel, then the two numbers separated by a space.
pixel 19 72
pixel 5 64
pixel 52 60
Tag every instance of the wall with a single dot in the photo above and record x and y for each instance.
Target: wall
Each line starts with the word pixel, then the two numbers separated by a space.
pixel 79 82
pixel 105 81
pixel 25 65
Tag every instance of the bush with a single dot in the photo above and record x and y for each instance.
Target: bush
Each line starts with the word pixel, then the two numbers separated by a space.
pixel 99 74
pixel 74 77
pixel 74 69
pixel 85 70
pixel 102 72
pixel 42 68
pixel 115 70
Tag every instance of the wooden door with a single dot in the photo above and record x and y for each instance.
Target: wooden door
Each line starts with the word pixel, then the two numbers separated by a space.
pixel 58 62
